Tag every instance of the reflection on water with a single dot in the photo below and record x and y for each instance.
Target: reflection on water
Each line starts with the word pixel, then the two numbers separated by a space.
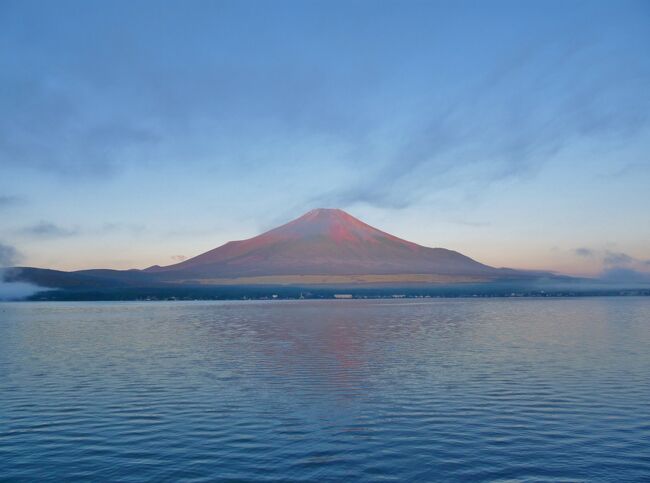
pixel 331 390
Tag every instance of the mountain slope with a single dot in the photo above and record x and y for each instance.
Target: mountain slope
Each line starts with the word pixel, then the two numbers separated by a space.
pixel 324 242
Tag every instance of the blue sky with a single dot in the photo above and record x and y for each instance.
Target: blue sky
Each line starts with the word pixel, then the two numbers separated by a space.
pixel 138 133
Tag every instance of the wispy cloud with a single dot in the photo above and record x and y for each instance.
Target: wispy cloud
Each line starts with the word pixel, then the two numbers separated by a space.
pixel 629 169
pixel 9 200
pixel 45 127
pixel 617 259
pixel 611 258
pixel 46 229
pixel 584 252
pixel 458 146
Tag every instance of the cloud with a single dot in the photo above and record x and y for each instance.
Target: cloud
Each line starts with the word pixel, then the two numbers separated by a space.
pixel 143 89
pixel 8 255
pixel 179 258
pixel 46 229
pixel 621 267
pixel 16 290
pixel 629 169
pixel 615 259
pixel 48 128
pixel 13 290
pixel 91 108
pixel 458 145
pixel 9 200
pixel 618 266
pixel 584 252
pixel 625 275
pixel 611 259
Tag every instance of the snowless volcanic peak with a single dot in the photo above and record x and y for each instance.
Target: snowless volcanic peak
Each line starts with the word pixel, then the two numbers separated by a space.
pixel 324 242
pixel 331 223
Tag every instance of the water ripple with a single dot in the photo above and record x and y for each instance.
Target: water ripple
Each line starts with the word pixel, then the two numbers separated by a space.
pixel 452 390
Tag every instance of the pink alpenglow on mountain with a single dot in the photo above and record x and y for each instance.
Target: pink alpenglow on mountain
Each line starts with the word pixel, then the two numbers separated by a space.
pixel 327 242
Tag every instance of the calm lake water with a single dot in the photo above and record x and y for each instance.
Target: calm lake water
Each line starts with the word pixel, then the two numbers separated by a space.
pixel 456 389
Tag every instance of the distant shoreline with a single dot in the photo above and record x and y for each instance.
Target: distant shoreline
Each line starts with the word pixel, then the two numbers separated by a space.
pixel 327 293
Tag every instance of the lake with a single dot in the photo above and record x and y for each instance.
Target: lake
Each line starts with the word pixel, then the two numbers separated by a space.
pixel 339 390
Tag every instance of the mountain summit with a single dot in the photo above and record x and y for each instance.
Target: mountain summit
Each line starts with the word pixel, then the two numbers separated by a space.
pixel 328 242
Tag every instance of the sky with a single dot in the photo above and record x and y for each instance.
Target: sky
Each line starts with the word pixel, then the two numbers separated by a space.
pixel 142 133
